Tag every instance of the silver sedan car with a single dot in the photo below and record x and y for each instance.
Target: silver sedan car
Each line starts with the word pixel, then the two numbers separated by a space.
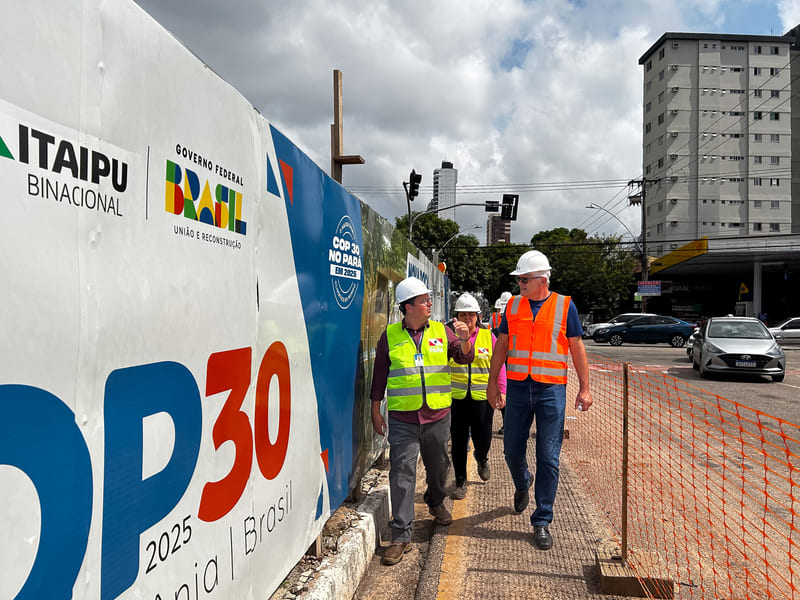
pixel 741 345
pixel 787 331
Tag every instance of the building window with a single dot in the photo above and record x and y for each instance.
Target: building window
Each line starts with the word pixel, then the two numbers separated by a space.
pixel 758 115
pixel 756 160
pixel 659 228
pixel 648 127
pixel 660 97
pixel 756 70
pixel 661 75
pixel 648 85
pixel 661 119
pixel 774 182
pixel 756 180
pixel 774 204
pixel 757 138
pixel 772 50
pixel 774 72
pixel 774 160
pixel 661 54
pixel 661 206
pixel 774 227
pixel 660 163
pixel 647 149
pixel 661 140
pixel 774 93
pixel 774 137
pixel 756 226
pixel 647 170
pixel 756 49
pixel 647 107
pixel 649 65
pixel 774 116
pixel 737 69
pixel 756 203
pixel 757 93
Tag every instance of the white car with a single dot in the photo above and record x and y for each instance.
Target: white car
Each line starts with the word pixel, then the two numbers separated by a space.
pixel 590 330
pixel 787 330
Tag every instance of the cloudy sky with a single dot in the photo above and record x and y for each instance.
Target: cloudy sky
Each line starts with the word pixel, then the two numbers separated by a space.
pixel 536 97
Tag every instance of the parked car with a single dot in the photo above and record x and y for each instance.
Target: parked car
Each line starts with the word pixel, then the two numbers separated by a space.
pixel 787 330
pixel 690 342
pixel 652 329
pixel 590 330
pixel 738 345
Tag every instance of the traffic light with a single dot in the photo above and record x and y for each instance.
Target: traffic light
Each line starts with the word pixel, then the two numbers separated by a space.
pixel 508 212
pixel 413 187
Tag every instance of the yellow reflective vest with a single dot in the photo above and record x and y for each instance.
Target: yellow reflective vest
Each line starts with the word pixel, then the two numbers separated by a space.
pixel 473 377
pixel 410 382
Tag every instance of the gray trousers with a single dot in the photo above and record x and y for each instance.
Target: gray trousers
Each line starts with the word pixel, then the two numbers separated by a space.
pixel 406 442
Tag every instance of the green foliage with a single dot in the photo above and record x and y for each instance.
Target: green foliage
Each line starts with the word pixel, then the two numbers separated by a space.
pixel 597 271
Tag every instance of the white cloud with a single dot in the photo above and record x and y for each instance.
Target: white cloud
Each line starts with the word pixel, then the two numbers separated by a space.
pixel 511 92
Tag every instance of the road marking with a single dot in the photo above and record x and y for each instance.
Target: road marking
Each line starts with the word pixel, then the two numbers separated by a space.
pixel 451 579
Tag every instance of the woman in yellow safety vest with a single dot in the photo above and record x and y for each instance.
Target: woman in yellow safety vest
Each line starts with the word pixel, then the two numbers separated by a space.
pixel 471 414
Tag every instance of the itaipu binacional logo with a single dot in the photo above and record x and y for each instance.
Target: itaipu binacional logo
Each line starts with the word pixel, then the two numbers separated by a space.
pixel 344 257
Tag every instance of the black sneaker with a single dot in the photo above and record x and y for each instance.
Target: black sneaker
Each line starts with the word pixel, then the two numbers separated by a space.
pixel 483 470
pixel 542 538
pixel 521 499
pixel 459 491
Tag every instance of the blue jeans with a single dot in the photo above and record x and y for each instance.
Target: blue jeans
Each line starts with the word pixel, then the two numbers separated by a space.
pixel 545 402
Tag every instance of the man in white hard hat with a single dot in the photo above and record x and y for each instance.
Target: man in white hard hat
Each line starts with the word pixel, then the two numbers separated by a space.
pixel 539 329
pixel 411 366
pixel 471 415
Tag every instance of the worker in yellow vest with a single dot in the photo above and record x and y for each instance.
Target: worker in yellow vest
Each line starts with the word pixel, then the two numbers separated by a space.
pixel 471 414
pixel 538 331
pixel 412 368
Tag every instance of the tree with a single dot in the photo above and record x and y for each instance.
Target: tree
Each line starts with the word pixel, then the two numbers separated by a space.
pixel 598 272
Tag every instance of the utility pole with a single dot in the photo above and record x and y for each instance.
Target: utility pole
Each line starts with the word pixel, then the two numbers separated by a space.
pixel 337 142
pixel 641 198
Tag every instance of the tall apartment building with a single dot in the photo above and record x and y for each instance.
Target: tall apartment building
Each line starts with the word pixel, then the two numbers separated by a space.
pixel 718 147
pixel 444 190
pixel 497 230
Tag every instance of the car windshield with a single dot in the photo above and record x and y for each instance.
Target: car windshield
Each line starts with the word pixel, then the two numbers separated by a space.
pixel 738 329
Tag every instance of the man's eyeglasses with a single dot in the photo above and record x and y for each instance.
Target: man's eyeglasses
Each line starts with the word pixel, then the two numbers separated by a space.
pixel 524 280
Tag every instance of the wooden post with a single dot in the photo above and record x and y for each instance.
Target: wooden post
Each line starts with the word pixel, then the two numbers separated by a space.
pixel 337 143
pixel 624 533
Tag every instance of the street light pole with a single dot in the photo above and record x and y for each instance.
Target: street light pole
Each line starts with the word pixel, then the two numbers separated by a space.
pixel 596 207
pixel 452 237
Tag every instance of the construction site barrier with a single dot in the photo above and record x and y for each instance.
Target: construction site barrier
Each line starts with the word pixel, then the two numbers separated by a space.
pixel 705 483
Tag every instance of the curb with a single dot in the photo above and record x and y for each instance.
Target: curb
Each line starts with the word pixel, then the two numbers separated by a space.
pixel 338 575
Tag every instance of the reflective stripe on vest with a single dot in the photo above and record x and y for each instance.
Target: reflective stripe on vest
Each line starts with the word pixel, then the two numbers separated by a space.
pixel 409 385
pixel 473 377
pixel 496 318
pixel 538 347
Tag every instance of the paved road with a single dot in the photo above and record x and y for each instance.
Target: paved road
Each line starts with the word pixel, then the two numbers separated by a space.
pixel 777 399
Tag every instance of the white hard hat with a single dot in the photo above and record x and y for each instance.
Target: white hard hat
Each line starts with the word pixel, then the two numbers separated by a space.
pixel 410 287
pixel 531 261
pixel 467 303
pixel 502 300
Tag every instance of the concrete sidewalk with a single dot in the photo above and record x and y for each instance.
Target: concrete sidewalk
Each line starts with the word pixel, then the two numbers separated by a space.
pixel 486 553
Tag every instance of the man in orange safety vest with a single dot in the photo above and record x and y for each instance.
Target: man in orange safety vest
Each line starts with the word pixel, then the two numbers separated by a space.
pixel 538 331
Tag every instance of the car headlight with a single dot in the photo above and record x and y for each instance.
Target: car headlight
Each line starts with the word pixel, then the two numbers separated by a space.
pixel 712 348
pixel 775 351
pixel 603 331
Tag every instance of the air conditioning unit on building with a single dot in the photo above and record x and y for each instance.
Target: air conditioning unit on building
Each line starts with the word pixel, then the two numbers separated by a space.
pixel 673 133
pixel 673 246
pixel 674 111
pixel 674 67
pixel 675 44
pixel 674 200
pixel 673 156
pixel 676 89
pixel 673 223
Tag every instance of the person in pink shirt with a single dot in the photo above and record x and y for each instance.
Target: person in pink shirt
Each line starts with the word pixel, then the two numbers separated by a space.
pixel 471 414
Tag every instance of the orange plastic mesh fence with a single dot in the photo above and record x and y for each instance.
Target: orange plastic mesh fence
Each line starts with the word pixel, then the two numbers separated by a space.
pixel 712 484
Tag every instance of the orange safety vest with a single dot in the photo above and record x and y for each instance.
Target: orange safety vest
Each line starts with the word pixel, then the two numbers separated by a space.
pixel 496 318
pixel 538 347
